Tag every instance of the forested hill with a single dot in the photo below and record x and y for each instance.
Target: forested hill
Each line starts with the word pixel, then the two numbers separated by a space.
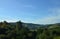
pixel 20 30
pixel 35 26
pixel 30 25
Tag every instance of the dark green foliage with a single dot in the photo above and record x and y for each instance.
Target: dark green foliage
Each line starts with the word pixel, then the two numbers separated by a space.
pixel 9 31
pixel 19 31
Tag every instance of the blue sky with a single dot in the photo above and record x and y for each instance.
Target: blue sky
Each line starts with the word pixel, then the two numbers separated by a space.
pixel 30 11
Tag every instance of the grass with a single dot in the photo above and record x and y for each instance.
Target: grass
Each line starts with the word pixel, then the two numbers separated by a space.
pixel 58 37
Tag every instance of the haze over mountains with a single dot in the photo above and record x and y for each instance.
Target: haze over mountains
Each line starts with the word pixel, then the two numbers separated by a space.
pixel 36 26
pixel 21 30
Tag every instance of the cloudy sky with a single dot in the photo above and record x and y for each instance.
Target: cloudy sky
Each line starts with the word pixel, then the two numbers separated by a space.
pixel 30 11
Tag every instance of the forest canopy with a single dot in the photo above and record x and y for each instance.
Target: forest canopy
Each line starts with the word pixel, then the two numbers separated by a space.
pixel 19 31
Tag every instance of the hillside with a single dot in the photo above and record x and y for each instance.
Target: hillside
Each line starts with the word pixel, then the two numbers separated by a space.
pixel 20 30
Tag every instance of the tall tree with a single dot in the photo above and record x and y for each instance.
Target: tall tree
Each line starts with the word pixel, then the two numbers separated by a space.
pixel 4 25
pixel 19 24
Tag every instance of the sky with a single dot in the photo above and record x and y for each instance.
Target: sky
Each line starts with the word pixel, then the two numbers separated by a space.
pixel 30 11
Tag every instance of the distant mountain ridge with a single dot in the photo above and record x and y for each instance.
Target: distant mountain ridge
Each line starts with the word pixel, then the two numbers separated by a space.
pixel 29 25
pixel 36 26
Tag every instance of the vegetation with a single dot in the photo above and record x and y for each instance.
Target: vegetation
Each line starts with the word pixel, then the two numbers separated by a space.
pixel 19 31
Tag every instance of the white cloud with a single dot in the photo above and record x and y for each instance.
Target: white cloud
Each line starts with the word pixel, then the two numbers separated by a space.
pixel 48 20
pixel 29 6
pixel 8 19
pixel 55 2
pixel 53 18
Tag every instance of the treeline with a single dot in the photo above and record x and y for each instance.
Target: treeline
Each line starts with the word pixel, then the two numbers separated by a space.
pixel 18 31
